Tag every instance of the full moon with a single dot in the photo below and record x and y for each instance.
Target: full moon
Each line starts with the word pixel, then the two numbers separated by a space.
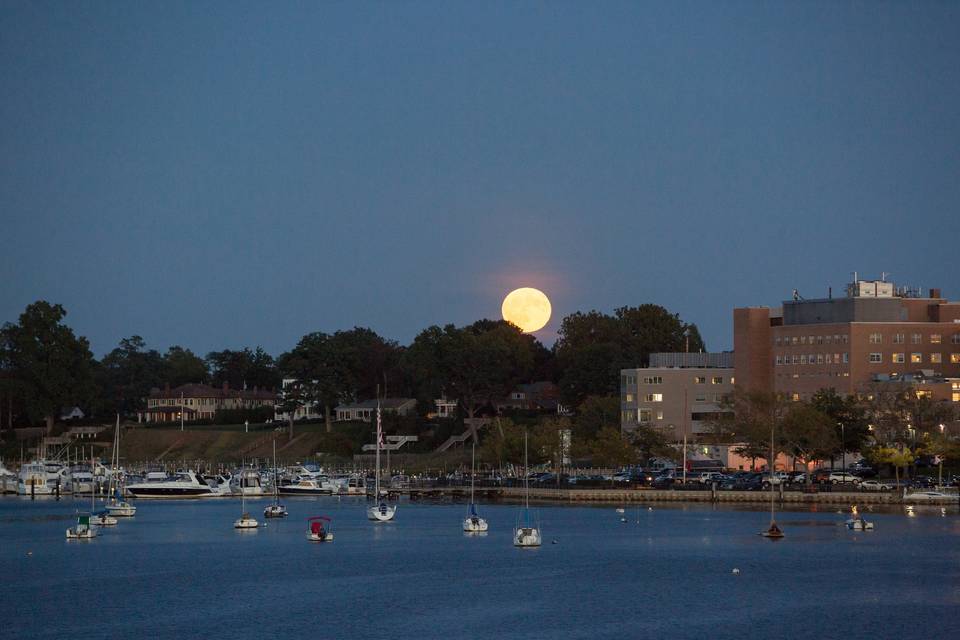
pixel 527 308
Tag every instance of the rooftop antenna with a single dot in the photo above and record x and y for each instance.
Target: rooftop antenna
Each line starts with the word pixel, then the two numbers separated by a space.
pixel 883 276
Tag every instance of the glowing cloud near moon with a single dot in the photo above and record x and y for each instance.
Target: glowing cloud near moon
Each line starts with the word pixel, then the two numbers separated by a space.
pixel 527 308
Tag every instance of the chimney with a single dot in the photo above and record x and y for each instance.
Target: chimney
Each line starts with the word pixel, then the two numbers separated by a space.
pixel 934 293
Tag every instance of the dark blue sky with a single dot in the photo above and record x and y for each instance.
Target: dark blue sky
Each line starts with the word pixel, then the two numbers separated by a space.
pixel 220 175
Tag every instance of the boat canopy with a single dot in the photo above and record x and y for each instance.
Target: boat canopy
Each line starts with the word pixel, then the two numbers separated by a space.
pixel 318 518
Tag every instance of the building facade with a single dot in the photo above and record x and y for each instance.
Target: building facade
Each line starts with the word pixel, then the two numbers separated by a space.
pixel 201 402
pixel 366 411
pixel 681 400
pixel 876 331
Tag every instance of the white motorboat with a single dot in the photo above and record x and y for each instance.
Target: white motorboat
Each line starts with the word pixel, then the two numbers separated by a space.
pixel 473 523
pixel 380 512
pixel 305 485
pixel 183 484
pixel 319 530
pixel 32 480
pixel 247 482
pixel 928 496
pixel 83 530
pixel 527 532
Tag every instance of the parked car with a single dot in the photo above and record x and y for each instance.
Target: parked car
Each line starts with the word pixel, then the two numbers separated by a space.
pixel 709 477
pixel 799 477
pixel 875 485
pixel 836 477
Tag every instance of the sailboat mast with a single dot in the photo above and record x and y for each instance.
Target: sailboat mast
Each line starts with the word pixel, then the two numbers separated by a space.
pixel 526 475
pixel 771 474
pixel 376 483
pixel 276 489
pixel 473 466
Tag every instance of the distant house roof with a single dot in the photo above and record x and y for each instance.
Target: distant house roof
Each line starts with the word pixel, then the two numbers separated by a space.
pixel 385 403
pixel 206 391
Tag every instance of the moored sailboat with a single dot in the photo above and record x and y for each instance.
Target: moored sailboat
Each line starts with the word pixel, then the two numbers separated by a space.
pixel 275 510
pixel 473 523
pixel 380 512
pixel 527 532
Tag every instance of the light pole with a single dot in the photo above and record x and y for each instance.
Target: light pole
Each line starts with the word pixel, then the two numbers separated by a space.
pixel 843 447
pixel 940 471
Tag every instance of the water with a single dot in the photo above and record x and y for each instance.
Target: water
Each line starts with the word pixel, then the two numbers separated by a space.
pixel 179 570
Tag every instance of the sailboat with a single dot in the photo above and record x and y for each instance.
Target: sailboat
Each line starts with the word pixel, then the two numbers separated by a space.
pixel 773 531
pixel 245 521
pixel 526 535
pixel 84 529
pixel 381 512
pixel 275 510
pixel 473 523
pixel 118 507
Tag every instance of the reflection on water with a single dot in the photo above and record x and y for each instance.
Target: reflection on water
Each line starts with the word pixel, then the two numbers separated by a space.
pixel 180 570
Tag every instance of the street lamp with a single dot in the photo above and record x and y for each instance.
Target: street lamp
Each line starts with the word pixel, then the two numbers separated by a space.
pixel 843 446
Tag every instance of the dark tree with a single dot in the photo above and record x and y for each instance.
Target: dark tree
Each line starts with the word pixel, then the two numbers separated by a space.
pixel 53 367
pixel 182 366
pixel 244 368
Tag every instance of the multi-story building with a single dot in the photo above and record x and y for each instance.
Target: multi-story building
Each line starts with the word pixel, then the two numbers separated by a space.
pixel 679 393
pixel 366 411
pixel 846 343
pixel 201 402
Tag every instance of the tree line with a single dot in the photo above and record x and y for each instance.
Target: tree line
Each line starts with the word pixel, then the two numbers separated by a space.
pixel 45 367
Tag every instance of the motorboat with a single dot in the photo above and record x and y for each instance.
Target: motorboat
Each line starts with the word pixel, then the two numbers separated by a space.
pixel 319 529
pixel 83 530
pixel 247 482
pixel 183 484
pixel 306 485
pixel 221 484
pixel 526 537
pixel 32 480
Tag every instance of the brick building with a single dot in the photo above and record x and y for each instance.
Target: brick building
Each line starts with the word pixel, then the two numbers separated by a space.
pixel 877 331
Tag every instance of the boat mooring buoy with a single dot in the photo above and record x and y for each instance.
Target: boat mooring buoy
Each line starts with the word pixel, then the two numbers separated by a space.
pixel 735 571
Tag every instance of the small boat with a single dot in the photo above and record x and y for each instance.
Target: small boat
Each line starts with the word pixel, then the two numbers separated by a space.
pixel 319 530
pixel 246 521
pixel 856 521
pixel 102 518
pixel 473 523
pixel 82 530
pixel 121 508
pixel 773 532
pixel 526 535
pixel 275 510
pixel 621 510
pixel 381 512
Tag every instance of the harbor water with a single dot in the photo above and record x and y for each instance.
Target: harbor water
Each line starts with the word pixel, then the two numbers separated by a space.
pixel 178 569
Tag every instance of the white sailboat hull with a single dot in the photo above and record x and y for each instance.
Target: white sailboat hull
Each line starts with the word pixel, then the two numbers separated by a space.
pixel 381 512
pixel 475 525
pixel 526 537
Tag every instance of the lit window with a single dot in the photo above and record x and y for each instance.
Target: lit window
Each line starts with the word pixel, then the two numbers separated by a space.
pixel 955 358
pixel 653 397
pixel 700 379
pixel 898 358
pixel 795 397
pixel 629 397
pixel 876 357
pixel 916 338
pixel 643 415
pixel 916 358
pixel 956 396
pixel 717 380
pixel 936 358
pixel 934 338
pixel 732 381
pixel 659 415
